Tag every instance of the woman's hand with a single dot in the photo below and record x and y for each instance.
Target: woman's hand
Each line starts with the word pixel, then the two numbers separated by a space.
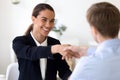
pixel 77 51
pixel 62 49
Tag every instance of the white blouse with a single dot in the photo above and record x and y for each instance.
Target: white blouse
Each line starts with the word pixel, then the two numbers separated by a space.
pixel 43 61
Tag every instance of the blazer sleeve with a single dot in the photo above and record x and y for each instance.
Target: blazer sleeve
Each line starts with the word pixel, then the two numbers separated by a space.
pixel 63 68
pixel 24 49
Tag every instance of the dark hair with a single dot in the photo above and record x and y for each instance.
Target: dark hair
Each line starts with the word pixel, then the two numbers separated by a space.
pixel 105 17
pixel 38 8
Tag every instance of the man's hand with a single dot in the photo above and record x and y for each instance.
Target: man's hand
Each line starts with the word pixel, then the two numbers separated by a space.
pixel 77 51
pixel 69 51
pixel 66 54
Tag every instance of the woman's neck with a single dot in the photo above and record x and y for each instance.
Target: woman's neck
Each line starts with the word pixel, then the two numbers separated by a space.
pixel 39 37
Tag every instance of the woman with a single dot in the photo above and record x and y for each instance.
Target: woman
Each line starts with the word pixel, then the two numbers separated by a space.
pixel 35 49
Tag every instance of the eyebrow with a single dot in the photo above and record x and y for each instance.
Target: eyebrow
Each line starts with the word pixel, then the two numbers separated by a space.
pixel 44 17
pixel 47 18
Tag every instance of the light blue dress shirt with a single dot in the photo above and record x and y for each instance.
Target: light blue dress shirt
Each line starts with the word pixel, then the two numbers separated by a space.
pixel 103 64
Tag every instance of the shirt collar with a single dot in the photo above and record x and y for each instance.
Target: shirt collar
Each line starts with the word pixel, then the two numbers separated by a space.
pixel 37 43
pixel 107 43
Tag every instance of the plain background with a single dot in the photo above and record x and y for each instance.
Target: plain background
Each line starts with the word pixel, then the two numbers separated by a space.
pixel 14 20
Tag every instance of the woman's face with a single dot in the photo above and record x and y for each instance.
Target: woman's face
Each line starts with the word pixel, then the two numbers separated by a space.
pixel 44 22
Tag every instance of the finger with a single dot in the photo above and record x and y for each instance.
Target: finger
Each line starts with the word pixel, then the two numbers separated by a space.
pixel 66 44
pixel 67 55
pixel 63 57
pixel 67 58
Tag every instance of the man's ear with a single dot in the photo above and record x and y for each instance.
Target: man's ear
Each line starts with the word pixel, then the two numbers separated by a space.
pixel 94 30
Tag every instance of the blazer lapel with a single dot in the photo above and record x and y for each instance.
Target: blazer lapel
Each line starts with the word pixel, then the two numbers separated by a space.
pixel 30 39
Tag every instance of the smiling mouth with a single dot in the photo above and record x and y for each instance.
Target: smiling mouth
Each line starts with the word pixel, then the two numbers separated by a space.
pixel 46 29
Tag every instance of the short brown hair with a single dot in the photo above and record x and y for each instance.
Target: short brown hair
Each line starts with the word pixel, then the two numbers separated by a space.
pixel 105 17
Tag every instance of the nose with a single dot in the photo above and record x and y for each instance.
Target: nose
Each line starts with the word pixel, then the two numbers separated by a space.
pixel 49 24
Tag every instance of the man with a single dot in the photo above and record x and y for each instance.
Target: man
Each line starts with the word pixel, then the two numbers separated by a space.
pixel 104 63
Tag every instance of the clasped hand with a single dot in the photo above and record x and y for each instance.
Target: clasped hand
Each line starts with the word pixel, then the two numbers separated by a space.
pixel 69 51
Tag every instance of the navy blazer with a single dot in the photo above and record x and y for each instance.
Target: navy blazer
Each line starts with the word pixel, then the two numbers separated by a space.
pixel 28 55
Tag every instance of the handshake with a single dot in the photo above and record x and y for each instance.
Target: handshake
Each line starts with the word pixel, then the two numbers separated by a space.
pixel 69 51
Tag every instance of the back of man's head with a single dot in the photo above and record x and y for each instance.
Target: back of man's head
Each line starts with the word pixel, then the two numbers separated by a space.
pixel 105 17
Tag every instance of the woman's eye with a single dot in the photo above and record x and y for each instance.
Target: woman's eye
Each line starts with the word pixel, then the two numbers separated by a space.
pixel 44 20
pixel 52 21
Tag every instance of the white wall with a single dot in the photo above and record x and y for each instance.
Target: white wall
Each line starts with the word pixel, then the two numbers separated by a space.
pixel 5 34
pixel 14 19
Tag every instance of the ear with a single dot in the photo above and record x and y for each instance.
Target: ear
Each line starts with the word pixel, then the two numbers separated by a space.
pixel 94 30
pixel 33 19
